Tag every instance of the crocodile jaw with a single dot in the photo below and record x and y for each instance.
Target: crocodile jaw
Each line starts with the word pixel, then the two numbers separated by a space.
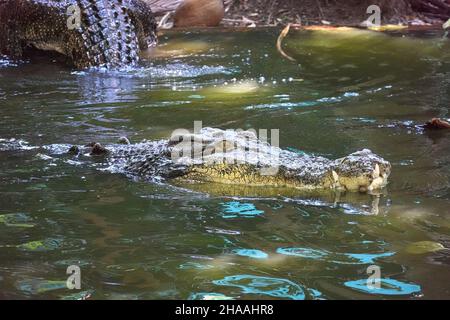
pixel 363 171
pixel 49 46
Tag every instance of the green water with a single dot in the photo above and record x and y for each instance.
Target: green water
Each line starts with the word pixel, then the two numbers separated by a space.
pixel 138 240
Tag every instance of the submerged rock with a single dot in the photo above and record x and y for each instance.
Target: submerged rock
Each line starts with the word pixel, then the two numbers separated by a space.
pixel 422 247
pixel 199 13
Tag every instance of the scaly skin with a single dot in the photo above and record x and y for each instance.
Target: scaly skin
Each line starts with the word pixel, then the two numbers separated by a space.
pixel 110 35
pixel 240 158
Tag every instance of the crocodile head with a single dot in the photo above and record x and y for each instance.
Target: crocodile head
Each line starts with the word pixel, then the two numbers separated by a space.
pixel 241 158
pixel 90 33
pixel 361 171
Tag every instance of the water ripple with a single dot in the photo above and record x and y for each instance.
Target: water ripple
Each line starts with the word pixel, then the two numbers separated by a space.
pixel 393 287
pixel 273 287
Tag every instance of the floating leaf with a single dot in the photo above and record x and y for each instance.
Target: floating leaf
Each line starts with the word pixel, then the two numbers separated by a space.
pixel 15 220
pixel 422 247
pixel 41 245
pixel 37 286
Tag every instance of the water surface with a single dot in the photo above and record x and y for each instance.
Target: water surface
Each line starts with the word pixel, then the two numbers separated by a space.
pixel 139 240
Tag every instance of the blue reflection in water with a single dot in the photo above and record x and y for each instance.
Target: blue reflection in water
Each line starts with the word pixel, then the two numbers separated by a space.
pixel 39 286
pixel 234 209
pixel 251 253
pixel 387 287
pixel 274 287
pixel 340 258
pixel 316 294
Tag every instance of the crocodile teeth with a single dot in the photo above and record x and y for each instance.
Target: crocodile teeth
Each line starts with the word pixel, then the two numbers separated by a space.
pixel 336 183
pixel 377 183
pixel 376 172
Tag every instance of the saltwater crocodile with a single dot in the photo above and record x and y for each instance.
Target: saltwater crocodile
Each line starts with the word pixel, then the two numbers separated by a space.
pixel 106 33
pixel 239 157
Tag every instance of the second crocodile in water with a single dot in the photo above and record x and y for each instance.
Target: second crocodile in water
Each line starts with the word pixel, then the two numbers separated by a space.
pixel 239 157
pixel 89 33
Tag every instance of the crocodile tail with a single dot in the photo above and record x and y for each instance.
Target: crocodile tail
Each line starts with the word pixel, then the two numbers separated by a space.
pixel 108 34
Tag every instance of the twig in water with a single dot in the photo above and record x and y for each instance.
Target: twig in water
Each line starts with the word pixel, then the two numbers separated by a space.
pixel 271 8
pixel 282 35
pixel 320 9
pixel 163 22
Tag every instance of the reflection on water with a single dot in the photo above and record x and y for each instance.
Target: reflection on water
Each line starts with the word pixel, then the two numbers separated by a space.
pixel 392 287
pixel 234 209
pixel 251 253
pixel 273 287
pixel 350 90
pixel 340 258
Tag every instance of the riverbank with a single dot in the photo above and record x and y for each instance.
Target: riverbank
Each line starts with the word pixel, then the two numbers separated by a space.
pixel 252 13
pixel 261 13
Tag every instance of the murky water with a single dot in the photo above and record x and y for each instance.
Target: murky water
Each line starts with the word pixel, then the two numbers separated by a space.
pixel 136 240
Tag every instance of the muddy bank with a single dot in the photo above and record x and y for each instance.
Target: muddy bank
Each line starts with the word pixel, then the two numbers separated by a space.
pixel 334 12
pixel 252 13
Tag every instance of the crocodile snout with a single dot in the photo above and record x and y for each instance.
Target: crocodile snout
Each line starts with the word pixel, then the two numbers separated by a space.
pixel 362 171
